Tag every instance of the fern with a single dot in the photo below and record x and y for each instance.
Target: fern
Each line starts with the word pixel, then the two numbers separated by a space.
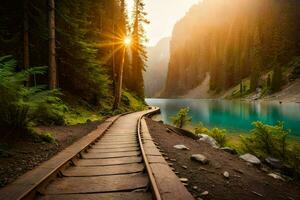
pixel 21 106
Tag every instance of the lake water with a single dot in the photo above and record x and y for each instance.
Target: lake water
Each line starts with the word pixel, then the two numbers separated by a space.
pixel 235 116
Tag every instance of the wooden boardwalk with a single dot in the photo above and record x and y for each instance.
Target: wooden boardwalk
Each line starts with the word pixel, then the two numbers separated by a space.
pixel 123 163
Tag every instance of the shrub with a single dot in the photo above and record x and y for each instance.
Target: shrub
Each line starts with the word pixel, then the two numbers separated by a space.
pixel 220 135
pixel 181 118
pixel 266 140
pixel 293 159
pixel 201 129
pixel 20 105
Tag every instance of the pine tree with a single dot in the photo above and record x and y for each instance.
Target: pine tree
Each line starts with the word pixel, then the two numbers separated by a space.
pixel 139 55
pixel 120 68
pixel 256 61
pixel 52 47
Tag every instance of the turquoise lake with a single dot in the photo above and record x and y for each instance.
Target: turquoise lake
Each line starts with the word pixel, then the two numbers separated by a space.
pixel 235 116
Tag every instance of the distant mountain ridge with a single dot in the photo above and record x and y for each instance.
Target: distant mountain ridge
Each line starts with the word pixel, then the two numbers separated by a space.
pixel 157 67
pixel 232 41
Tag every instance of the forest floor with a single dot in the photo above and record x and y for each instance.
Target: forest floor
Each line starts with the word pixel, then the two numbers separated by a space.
pixel 245 181
pixel 25 154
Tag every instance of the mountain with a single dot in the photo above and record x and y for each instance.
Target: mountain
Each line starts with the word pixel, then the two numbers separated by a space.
pixel 157 67
pixel 232 41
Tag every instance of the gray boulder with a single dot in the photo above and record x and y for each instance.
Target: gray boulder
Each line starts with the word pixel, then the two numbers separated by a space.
pixel 181 147
pixel 250 159
pixel 209 140
pixel 273 162
pixel 199 158
pixel 229 150
pixel 276 176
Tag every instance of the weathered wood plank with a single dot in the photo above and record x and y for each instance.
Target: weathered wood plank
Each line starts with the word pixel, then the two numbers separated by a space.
pixel 111 155
pixel 104 170
pixel 83 185
pixel 94 150
pixel 114 146
pixel 105 196
pixel 169 185
pixel 109 161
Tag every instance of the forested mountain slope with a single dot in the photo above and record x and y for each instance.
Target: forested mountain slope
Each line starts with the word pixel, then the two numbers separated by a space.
pixel 234 40
pixel 157 68
pixel 80 41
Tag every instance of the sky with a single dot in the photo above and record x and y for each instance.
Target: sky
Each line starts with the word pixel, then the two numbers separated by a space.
pixel 163 15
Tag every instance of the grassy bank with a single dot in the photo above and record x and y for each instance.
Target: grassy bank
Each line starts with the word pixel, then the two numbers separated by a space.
pixel 264 141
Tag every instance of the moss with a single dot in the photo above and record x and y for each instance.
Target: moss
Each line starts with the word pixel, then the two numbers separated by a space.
pixel 81 115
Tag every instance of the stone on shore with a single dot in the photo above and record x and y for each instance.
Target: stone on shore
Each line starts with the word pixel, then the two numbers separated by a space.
pixel 199 158
pixel 273 162
pixel 229 150
pixel 209 140
pixel 226 174
pixel 181 147
pixel 250 159
pixel 276 176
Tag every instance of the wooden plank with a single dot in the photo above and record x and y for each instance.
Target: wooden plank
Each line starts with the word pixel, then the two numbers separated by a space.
pixel 83 185
pixel 109 161
pixel 169 185
pixel 94 150
pixel 115 143
pixel 152 151
pixel 105 196
pixel 111 155
pixel 156 159
pixel 115 146
pixel 104 170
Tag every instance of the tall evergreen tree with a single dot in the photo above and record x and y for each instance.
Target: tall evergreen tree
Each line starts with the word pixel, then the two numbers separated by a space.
pixel 52 47
pixel 139 55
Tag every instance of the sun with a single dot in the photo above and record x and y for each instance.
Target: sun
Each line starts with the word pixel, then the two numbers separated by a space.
pixel 127 41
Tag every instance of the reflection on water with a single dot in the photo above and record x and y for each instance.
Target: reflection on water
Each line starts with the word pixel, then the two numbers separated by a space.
pixel 232 115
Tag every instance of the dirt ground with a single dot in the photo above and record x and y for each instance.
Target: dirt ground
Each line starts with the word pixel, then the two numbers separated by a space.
pixel 245 182
pixel 24 155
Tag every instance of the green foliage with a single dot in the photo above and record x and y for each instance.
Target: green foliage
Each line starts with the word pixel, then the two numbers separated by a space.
pixel 220 135
pixel 293 159
pixel 266 140
pixel 181 118
pixel 20 105
pixel 200 129
pixel 46 137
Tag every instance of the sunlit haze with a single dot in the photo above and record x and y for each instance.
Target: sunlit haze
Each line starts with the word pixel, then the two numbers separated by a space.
pixel 163 14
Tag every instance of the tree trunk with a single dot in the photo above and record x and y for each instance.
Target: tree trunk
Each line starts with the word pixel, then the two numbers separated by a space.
pixel 26 36
pixel 52 47
pixel 119 82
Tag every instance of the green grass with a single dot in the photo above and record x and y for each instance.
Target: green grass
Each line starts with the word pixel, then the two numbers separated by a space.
pixel 81 115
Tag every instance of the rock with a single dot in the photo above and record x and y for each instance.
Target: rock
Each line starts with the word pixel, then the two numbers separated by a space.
pixel 181 147
pixel 173 160
pixel 205 193
pixel 161 121
pixel 199 158
pixel 184 166
pixel 195 187
pixel 273 163
pixel 199 198
pixel 229 150
pixel 276 176
pixel 209 140
pixel 226 174
pixel 168 130
pixel 184 180
pixel 250 159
